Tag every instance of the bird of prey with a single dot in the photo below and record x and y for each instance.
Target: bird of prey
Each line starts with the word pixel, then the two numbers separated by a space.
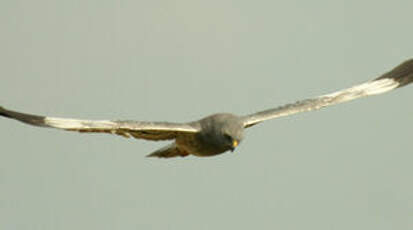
pixel 217 133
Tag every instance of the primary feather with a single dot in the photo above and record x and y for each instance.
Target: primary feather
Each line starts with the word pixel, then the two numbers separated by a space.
pixel 398 77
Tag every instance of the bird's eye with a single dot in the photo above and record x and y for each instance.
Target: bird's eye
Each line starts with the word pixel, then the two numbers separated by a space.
pixel 228 137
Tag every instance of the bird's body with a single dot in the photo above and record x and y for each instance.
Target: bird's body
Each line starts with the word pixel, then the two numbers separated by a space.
pixel 217 133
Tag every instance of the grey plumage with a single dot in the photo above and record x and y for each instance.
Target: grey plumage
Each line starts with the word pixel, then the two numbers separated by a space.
pixel 397 77
pixel 216 133
pixel 138 129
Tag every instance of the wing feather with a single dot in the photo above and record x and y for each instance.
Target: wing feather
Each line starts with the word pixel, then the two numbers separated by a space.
pixel 136 129
pixel 398 77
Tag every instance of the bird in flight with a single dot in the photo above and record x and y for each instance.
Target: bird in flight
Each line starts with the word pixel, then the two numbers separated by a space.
pixel 217 133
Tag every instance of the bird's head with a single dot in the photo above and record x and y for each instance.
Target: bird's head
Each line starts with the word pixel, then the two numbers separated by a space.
pixel 231 131
pixel 230 141
pixel 221 132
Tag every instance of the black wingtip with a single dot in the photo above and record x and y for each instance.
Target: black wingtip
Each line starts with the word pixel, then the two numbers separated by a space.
pixel 3 112
pixel 23 117
pixel 402 73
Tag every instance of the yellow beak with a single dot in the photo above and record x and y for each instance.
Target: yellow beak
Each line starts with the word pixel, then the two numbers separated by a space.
pixel 234 143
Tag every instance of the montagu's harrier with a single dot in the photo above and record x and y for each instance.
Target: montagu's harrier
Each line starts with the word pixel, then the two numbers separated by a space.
pixel 216 133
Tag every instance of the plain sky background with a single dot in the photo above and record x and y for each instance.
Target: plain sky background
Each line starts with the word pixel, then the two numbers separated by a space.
pixel 345 167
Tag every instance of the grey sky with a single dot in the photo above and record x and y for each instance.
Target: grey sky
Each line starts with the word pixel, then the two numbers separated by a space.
pixel 344 167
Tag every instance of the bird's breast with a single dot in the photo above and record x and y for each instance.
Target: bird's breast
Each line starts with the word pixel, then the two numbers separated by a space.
pixel 198 146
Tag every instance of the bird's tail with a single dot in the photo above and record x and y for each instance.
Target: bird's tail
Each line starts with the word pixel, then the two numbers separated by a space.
pixel 168 151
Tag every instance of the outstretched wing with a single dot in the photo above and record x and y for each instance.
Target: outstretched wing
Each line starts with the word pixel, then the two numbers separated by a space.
pixel 398 77
pixel 137 129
